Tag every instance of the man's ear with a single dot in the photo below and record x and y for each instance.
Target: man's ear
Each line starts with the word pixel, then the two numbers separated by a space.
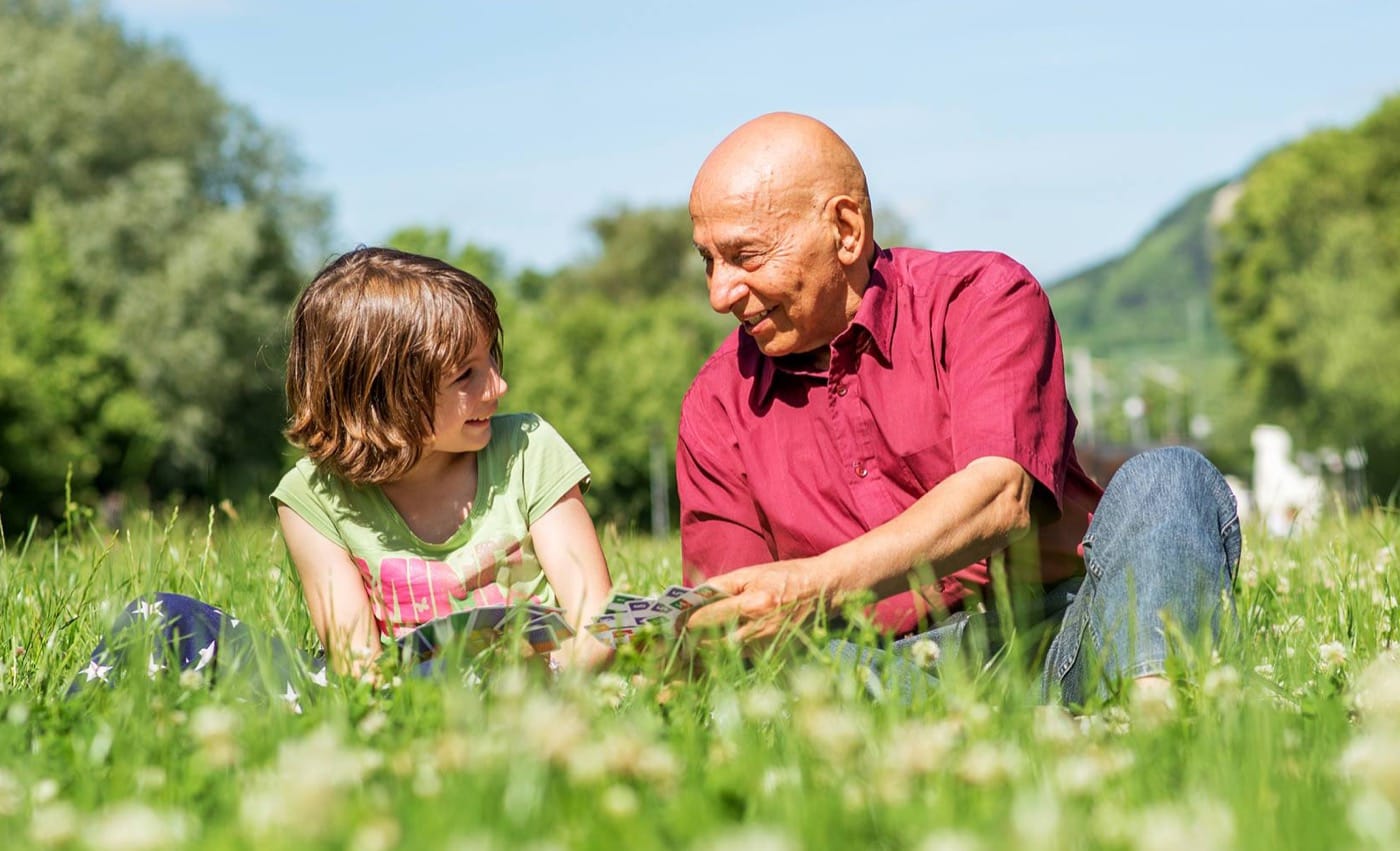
pixel 850 229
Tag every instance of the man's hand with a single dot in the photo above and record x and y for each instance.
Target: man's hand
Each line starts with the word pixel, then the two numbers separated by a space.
pixel 765 599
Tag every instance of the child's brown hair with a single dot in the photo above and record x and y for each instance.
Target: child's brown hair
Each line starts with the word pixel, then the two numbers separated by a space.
pixel 373 338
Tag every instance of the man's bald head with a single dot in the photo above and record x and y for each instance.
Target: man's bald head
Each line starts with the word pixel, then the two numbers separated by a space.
pixel 782 162
pixel 781 216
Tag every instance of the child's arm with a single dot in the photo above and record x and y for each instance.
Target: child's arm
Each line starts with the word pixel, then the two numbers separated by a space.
pixel 335 595
pixel 567 547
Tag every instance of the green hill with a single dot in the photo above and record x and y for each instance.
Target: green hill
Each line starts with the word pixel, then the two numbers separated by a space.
pixel 1153 301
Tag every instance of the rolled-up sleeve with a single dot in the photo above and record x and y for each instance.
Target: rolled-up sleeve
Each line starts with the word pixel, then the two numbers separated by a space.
pixel 1005 375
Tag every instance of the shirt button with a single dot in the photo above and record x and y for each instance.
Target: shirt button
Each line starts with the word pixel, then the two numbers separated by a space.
pixel 860 470
pixel 841 391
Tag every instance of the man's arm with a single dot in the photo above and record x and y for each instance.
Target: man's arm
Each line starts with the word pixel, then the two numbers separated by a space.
pixel 966 517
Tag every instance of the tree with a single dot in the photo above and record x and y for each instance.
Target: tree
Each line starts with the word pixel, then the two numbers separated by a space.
pixel 150 236
pixel 1308 287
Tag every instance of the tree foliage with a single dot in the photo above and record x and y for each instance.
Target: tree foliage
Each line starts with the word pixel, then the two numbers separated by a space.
pixel 149 236
pixel 1308 286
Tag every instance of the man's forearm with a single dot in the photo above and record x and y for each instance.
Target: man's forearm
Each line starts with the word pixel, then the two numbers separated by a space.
pixel 967 517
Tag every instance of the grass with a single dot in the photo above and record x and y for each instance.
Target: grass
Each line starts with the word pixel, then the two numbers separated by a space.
pixel 1262 747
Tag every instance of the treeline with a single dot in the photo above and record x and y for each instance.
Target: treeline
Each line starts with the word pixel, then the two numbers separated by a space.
pixel 1307 287
pixel 151 237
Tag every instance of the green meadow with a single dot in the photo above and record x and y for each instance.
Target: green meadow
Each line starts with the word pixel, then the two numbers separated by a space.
pixel 1287 737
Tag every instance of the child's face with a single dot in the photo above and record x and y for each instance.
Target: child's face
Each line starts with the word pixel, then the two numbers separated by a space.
pixel 466 400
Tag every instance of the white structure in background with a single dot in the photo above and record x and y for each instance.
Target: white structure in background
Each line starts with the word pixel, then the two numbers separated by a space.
pixel 1285 496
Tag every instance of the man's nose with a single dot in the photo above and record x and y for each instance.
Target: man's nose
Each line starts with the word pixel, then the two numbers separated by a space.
pixel 726 288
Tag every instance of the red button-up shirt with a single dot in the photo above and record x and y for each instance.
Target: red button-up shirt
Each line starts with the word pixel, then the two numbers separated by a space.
pixel 951 357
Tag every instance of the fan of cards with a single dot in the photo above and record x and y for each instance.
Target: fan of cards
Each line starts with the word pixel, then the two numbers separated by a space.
pixel 544 626
pixel 626 613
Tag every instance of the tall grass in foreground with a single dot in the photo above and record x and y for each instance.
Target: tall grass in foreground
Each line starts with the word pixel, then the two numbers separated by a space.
pixel 1289 737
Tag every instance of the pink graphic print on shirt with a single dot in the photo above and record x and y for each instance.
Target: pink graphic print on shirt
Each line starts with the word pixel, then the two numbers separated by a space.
pixel 412 591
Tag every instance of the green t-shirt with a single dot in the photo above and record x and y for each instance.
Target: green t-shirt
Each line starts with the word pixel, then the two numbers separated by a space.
pixel 521 473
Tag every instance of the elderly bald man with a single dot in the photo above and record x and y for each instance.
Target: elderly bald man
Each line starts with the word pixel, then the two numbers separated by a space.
pixel 891 420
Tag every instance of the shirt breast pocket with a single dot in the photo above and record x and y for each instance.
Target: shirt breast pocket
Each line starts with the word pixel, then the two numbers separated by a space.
pixel 927 463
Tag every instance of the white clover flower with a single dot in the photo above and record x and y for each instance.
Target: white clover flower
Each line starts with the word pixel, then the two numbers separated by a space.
pixel 834 733
pixel 1036 820
pixel 1222 683
pixel 381 834
pixel 610 689
pixel 53 824
pixel 1052 725
pixel 132 826
pixel 1265 670
pixel 214 730
pixel 1376 692
pixel 426 781
pixel 762 703
pixel 43 791
pixel 372 724
pixel 1373 818
pixel 191 680
pixel 925 653
pixel 619 801
pixel 1153 702
pixel 306 777
pixel 987 763
pixel 1331 656
pixel 1199 824
pixel 550 728
pixel 918 748
pixel 11 793
pixel 951 840
pixel 754 838
pixel 1373 760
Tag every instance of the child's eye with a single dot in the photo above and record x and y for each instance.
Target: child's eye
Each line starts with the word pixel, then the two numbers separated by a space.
pixel 467 373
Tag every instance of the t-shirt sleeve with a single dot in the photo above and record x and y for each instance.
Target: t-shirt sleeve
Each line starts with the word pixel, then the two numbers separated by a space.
pixel 721 527
pixel 1005 373
pixel 550 467
pixel 297 492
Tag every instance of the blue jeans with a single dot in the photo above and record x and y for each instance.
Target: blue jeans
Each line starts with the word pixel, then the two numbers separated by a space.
pixel 1159 557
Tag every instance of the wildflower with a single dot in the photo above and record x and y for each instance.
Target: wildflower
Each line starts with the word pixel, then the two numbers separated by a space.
pixel 1376 693
pixel 1373 818
pixel 53 824
pixel 1153 702
pixel 551 728
pixel 191 680
pixel 619 801
pixel 1265 670
pixel 43 791
pixel 1199 825
pixel 925 653
pixel 951 840
pixel 762 703
pixel 371 724
pixel 1036 821
pixel 1374 761
pixel 18 714
pixel 1331 656
pixel 986 763
pixel 918 748
pixel 754 838
pixel 134 827
pixel 305 779
pixel 213 728
pixel 610 689
pixel 1221 683
pixel 11 793
pixel 1054 726
pixel 380 834
pixel 833 733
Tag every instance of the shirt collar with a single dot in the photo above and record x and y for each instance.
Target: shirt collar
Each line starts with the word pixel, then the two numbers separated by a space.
pixel 875 316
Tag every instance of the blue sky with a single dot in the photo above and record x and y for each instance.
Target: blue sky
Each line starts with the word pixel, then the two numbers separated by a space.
pixel 1056 132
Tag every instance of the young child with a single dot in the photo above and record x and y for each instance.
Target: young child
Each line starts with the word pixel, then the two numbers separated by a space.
pixel 416 499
